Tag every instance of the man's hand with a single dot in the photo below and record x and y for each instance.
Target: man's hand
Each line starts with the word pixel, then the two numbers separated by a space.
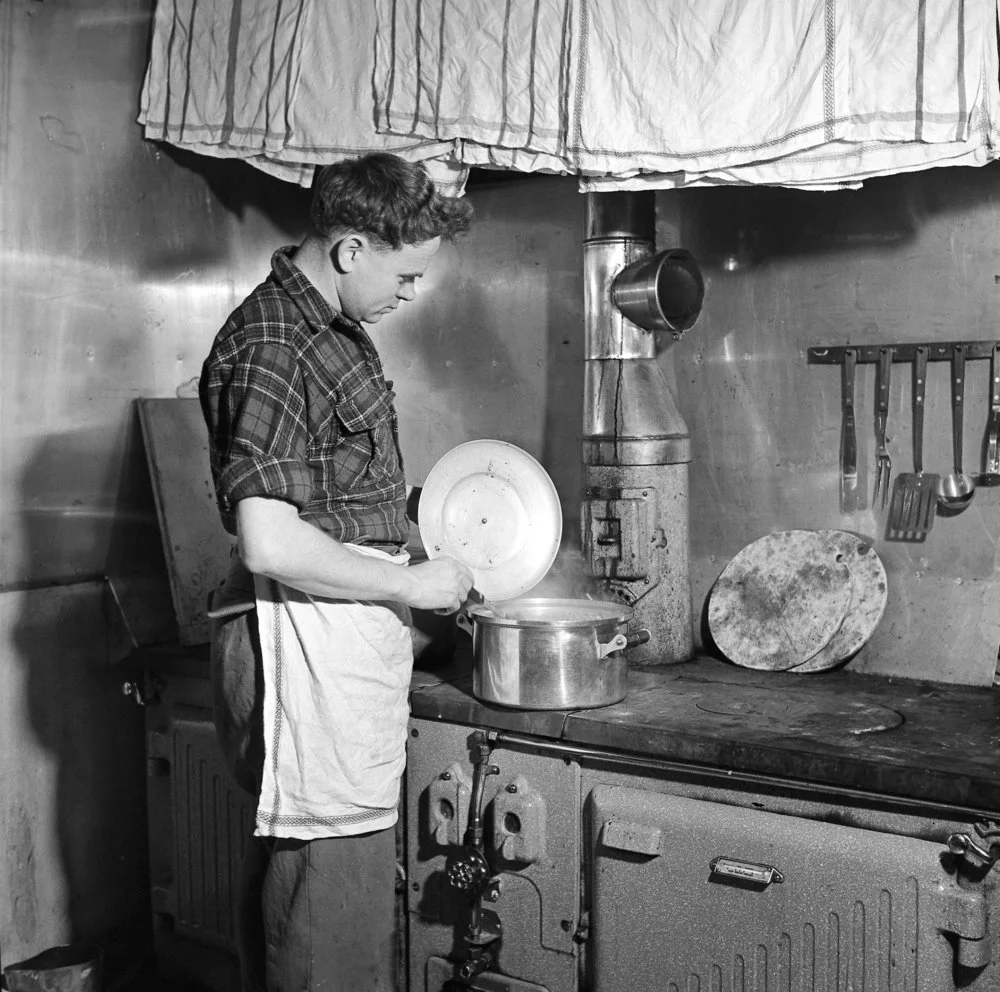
pixel 441 583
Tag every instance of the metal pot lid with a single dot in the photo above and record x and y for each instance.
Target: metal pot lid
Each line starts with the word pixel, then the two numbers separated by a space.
pixel 492 506
pixel 548 613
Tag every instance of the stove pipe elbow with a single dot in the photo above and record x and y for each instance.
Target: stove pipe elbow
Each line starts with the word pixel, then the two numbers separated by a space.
pixel 631 292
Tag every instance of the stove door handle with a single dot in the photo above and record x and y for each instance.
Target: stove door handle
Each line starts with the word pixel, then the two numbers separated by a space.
pixel 745 871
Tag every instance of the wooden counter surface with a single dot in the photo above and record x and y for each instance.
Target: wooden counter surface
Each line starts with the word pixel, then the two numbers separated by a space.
pixel 932 742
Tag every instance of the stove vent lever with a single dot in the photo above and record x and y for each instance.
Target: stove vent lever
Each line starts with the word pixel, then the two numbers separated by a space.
pixel 982 851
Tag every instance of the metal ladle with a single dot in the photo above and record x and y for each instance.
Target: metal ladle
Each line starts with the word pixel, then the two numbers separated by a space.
pixel 955 491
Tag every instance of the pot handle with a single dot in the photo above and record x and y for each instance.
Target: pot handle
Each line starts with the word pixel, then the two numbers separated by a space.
pixel 463 622
pixel 621 642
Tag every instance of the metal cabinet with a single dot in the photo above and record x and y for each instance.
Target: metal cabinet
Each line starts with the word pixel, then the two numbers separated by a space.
pixel 604 873
pixel 690 894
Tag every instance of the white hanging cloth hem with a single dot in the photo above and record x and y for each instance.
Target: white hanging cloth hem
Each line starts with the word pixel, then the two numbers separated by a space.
pixel 284 86
pixel 623 94
pixel 631 94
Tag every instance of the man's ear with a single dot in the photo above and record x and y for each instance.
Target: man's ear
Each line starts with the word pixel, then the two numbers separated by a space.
pixel 346 251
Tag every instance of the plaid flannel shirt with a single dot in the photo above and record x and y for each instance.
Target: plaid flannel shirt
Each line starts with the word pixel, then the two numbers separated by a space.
pixel 298 408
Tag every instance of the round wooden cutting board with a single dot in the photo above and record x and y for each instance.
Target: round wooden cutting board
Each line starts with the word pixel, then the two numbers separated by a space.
pixel 869 592
pixel 780 600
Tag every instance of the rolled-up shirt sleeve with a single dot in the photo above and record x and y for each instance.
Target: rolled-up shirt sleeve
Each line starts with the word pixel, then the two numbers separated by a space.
pixel 255 408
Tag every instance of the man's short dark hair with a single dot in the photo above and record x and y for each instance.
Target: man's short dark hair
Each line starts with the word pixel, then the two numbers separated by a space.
pixel 387 198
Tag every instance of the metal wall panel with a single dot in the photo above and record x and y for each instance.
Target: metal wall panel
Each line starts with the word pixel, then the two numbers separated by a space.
pixel 117 264
pixel 907 258
pixel 121 259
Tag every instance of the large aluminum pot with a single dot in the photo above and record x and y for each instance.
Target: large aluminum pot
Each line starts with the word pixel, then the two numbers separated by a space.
pixel 550 654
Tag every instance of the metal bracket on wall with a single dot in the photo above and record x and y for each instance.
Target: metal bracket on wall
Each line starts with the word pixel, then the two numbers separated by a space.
pixel 915 496
pixel 937 351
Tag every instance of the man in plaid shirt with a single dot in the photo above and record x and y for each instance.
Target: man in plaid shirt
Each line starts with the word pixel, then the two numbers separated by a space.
pixel 312 651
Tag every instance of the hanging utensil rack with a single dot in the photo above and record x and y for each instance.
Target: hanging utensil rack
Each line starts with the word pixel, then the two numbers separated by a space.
pixel 937 351
pixel 911 512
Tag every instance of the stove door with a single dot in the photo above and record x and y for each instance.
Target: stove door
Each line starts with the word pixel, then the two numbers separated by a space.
pixel 689 894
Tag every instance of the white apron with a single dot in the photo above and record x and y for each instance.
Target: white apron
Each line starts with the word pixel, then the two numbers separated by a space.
pixel 336 684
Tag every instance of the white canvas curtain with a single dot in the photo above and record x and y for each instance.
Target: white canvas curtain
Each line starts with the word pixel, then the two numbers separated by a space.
pixel 624 94
pixel 285 85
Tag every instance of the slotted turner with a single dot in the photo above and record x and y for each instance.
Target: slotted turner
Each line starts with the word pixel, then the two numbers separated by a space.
pixel 914 496
pixel 991 442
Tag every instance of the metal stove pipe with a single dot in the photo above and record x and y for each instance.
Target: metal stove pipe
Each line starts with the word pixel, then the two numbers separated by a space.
pixel 636 446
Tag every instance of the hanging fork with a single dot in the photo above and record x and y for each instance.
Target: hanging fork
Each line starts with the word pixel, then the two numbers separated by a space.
pixel 883 464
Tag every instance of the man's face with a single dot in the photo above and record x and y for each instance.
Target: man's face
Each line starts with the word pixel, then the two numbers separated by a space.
pixel 380 280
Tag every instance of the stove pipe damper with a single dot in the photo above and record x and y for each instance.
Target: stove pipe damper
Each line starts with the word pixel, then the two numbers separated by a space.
pixel 636 446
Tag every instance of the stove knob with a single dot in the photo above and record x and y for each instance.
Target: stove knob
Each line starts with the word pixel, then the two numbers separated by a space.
pixel 467 871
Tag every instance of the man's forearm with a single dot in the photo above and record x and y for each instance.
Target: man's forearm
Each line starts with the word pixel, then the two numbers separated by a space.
pixel 274 541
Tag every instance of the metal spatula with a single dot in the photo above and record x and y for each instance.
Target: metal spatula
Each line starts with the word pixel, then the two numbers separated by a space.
pixel 914 496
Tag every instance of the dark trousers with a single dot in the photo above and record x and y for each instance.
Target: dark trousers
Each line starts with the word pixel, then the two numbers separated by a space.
pixel 314 916
pixel 319 915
